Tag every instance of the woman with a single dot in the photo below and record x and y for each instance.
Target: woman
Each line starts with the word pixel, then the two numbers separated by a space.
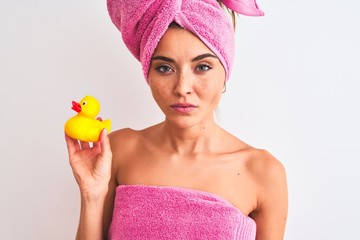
pixel 186 177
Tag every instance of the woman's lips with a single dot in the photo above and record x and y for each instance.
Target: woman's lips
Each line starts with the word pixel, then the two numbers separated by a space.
pixel 183 107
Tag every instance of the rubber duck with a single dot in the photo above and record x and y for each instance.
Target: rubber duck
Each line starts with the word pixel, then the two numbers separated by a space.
pixel 84 126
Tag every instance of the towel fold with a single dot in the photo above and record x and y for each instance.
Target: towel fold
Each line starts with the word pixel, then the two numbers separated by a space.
pixel 173 213
pixel 244 7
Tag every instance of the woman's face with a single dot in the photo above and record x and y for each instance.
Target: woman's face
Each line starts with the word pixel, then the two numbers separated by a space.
pixel 186 78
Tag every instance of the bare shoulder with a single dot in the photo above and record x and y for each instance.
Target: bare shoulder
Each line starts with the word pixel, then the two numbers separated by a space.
pixel 264 166
pixel 272 197
pixel 126 138
pixel 125 142
pixel 259 162
pixel 128 134
pixel 122 136
pixel 269 175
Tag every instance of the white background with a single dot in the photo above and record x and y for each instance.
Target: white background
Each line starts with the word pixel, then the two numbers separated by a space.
pixel 294 91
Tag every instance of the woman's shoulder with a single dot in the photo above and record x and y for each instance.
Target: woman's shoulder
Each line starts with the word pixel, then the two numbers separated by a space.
pixel 265 169
pixel 125 138
pixel 259 162
pixel 123 134
pixel 270 185
pixel 262 162
pixel 128 139
pixel 256 158
pixel 127 135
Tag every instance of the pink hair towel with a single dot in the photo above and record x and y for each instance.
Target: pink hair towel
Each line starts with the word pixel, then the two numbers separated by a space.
pixel 142 23
pixel 173 213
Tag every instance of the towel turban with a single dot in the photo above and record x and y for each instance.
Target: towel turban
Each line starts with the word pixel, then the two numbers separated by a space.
pixel 142 23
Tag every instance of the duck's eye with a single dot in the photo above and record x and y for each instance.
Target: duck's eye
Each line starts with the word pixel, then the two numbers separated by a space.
pixel 84 103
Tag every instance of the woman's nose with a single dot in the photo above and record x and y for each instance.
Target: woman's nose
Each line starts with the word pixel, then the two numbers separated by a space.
pixel 184 84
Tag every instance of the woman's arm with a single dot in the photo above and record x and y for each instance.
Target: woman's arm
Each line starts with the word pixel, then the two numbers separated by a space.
pixel 95 215
pixel 92 170
pixel 272 205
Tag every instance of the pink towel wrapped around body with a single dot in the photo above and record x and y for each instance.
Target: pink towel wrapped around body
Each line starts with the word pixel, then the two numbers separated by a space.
pixel 173 213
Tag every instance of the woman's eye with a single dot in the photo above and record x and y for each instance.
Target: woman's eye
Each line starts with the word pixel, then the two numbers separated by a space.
pixel 164 69
pixel 203 67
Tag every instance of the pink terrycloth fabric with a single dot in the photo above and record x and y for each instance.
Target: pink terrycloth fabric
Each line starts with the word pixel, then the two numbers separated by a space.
pixel 173 213
pixel 142 23
pixel 245 7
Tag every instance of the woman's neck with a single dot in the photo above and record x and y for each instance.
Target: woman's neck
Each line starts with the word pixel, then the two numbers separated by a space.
pixel 192 140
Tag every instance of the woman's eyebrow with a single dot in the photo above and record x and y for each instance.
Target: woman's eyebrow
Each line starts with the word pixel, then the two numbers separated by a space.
pixel 166 59
pixel 202 56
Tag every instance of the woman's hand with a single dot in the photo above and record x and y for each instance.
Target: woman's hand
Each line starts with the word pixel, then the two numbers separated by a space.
pixel 91 165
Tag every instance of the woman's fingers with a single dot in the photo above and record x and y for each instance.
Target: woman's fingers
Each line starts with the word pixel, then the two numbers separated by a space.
pixel 72 145
pixel 101 147
pixel 105 144
pixel 96 144
pixel 85 145
pixel 90 162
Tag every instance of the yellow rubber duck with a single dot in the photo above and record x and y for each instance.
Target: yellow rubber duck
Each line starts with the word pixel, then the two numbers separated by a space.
pixel 84 126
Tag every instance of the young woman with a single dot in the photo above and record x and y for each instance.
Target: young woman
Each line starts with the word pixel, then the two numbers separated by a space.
pixel 186 177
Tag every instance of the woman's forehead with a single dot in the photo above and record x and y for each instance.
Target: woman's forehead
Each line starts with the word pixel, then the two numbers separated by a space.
pixel 177 41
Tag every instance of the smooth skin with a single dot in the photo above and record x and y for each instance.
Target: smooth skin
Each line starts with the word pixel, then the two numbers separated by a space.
pixel 188 149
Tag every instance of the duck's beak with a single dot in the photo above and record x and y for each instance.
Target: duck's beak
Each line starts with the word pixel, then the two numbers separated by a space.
pixel 76 106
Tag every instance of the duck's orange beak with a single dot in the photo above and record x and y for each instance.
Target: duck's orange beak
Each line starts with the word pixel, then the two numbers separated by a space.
pixel 76 106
